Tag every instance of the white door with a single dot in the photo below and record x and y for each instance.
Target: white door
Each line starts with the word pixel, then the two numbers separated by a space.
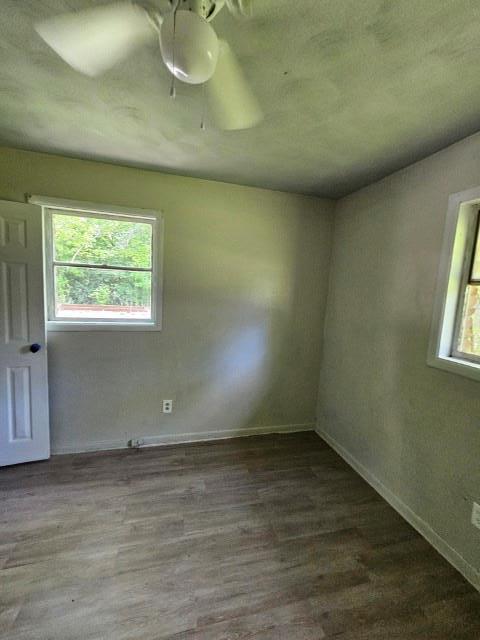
pixel 24 425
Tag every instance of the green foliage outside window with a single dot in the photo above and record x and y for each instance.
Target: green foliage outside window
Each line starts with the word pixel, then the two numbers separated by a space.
pixel 101 241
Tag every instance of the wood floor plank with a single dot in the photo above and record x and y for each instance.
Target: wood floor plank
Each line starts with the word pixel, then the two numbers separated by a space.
pixel 265 538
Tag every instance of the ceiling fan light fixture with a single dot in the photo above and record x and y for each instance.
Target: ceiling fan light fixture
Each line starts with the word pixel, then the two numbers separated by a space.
pixel 191 53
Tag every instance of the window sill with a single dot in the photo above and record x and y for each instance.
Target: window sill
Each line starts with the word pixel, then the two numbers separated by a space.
pixel 455 365
pixel 53 326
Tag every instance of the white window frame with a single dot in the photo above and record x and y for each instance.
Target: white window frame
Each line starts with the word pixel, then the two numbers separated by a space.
pixel 454 271
pixel 90 209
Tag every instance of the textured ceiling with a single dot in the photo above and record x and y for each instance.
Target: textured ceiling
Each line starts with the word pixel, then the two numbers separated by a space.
pixel 351 90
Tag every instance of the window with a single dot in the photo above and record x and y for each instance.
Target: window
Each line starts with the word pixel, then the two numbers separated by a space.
pixel 455 338
pixel 466 343
pixel 101 266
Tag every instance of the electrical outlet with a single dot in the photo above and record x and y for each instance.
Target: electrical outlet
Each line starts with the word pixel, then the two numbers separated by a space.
pixel 167 406
pixel 476 515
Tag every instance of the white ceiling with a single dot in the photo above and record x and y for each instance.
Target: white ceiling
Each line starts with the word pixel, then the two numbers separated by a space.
pixel 351 90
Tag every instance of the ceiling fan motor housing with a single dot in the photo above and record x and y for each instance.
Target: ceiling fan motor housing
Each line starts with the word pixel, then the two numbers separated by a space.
pixel 207 9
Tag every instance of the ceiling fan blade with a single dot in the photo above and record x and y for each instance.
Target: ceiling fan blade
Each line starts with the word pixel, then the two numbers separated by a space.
pixel 94 40
pixel 232 102
pixel 240 8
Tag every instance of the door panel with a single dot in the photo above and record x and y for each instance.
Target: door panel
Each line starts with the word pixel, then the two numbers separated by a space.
pixel 24 421
pixel 18 403
pixel 12 231
pixel 16 303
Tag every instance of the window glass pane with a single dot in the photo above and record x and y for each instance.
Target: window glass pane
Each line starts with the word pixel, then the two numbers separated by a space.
pixel 476 259
pixel 106 294
pixel 469 334
pixel 101 241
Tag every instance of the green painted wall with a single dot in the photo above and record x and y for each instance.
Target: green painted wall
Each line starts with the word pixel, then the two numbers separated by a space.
pixel 245 277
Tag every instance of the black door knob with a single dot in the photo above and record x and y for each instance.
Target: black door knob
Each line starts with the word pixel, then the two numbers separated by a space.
pixel 35 347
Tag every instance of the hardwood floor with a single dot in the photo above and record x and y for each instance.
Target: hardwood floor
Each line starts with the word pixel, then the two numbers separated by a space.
pixel 269 537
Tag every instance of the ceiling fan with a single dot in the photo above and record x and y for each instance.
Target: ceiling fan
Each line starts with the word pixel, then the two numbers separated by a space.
pixel 94 40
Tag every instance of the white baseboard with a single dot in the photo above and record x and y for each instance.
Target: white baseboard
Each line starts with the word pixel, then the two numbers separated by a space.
pixel 179 438
pixel 423 528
